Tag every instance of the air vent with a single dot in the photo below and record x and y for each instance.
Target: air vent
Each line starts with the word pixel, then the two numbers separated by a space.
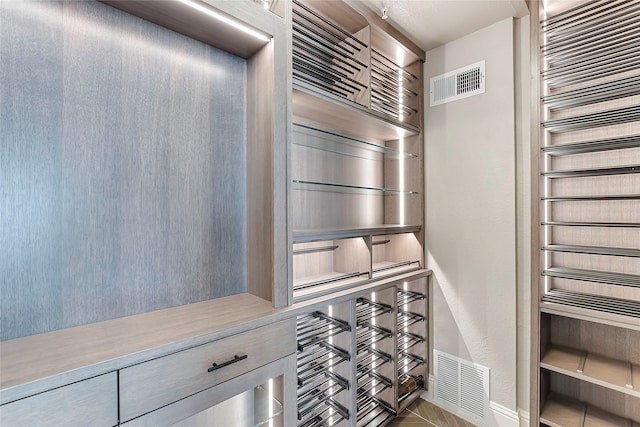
pixel 457 84
pixel 461 386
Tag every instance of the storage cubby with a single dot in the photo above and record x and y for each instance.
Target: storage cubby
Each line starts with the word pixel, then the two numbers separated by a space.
pixel 589 371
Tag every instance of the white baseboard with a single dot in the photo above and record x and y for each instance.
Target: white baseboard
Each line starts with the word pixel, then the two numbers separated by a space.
pixel 500 416
pixel 524 418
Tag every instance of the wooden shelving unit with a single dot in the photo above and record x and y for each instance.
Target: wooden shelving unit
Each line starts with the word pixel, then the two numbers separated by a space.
pixel 356 162
pixel 586 305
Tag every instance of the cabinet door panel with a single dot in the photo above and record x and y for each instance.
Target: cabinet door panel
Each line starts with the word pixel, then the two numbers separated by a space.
pixel 91 402
pixel 151 385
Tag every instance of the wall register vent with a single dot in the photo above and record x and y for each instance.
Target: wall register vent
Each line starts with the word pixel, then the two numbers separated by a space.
pixel 462 387
pixel 457 84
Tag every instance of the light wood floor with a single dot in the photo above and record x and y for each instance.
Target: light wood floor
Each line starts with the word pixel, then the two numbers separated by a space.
pixel 424 414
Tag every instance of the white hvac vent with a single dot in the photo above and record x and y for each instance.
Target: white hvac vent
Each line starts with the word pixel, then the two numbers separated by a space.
pixel 461 386
pixel 457 84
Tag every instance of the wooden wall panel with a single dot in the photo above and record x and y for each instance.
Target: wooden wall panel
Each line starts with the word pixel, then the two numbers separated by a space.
pixel 123 169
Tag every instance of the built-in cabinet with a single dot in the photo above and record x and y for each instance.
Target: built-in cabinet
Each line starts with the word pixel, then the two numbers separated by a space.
pixel 309 274
pixel 185 173
pixel 356 215
pixel 363 360
pixel 586 317
pixel 356 153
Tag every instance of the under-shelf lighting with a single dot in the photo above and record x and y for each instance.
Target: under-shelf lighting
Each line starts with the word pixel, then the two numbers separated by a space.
pixel 401 180
pixel 226 20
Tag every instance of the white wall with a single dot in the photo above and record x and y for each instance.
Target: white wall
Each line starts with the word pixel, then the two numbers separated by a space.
pixel 471 214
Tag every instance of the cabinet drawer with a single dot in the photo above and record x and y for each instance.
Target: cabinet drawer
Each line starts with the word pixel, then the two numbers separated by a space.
pixel 91 402
pixel 156 383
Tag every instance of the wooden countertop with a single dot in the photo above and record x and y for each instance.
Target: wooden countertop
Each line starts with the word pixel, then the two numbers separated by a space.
pixel 38 363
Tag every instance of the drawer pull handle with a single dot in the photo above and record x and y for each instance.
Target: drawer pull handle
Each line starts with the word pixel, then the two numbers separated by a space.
pixel 235 359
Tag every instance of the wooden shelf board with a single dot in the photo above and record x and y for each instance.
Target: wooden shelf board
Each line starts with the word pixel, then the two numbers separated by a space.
pixel 603 371
pixel 596 417
pixel 560 411
pixel 318 110
pixel 40 362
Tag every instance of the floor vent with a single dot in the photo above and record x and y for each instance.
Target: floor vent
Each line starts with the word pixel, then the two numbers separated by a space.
pixel 461 387
pixel 457 84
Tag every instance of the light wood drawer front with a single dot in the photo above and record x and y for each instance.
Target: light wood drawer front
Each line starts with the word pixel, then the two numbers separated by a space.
pixel 93 402
pixel 151 385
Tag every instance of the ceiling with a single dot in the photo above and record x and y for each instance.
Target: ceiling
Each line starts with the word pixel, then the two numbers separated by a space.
pixel 431 23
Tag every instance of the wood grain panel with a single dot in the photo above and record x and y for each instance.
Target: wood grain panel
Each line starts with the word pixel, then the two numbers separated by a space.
pixel 91 402
pixel 151 385
pixel 127 180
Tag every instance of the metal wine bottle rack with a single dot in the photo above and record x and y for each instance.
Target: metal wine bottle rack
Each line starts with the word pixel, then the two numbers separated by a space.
pixel 371 408
pixel 407 359
pixel 318 383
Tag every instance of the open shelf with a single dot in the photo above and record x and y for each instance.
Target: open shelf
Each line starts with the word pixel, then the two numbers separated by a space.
pixel 316 108
pixel 619 279
pixel 610 373
pixel 332 141
pixel 560 411
pixel 596 308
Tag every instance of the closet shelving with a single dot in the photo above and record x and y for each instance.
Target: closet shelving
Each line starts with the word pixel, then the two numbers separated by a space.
pixel 588 310
pixel 356 151
pixel 323 367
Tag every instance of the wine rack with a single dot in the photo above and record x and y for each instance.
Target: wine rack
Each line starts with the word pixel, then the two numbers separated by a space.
pixel 323 367
pixel 374 369
pixel 411 340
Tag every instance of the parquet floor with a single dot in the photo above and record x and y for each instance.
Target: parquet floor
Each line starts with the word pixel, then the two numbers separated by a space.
pixel 424 414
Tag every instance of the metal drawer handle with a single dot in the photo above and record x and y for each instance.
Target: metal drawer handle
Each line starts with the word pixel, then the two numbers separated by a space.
pixel 235 359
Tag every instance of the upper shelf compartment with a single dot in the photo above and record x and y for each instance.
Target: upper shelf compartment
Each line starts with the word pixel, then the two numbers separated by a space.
pixel 193 18
pixel 346 63
pixel 331 49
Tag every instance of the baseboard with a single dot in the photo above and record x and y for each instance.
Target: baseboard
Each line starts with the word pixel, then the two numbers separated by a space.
pixel 500 416
pixel 503 416
pixel 524 418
